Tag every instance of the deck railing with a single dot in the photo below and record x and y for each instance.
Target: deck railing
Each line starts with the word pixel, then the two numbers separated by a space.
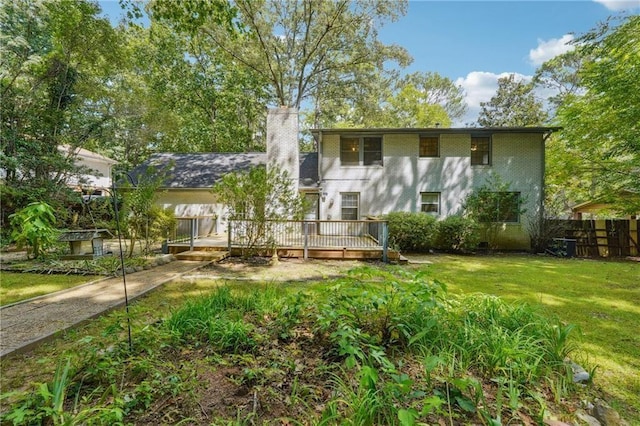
pixel 310 234
pixel 191 228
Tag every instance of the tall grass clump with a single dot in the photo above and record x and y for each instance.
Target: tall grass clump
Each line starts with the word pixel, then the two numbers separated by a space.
pixel 369 320
pixel 223 319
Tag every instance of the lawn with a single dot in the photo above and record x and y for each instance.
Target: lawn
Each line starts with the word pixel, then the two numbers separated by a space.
pixel 15 286
pixel 601 297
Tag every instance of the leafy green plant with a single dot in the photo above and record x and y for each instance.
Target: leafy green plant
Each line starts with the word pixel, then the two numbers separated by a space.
pixel 493 204
pixel 144 221
pixel 257 200
pixel 457 234
pixel 33 226
pixel 411 231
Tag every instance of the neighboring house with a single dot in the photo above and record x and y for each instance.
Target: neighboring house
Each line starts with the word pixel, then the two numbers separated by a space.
pixel 358 173
pixel 600 209
pixel 96 176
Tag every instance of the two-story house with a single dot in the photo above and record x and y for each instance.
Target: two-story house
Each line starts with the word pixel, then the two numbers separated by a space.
pixel 358 173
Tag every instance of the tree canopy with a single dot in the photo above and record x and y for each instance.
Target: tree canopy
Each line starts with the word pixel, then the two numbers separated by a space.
pixel 597 155
pixel 513 105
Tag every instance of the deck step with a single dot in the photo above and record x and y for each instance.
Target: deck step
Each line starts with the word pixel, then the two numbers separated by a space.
pixel 402 260
pixel 200 255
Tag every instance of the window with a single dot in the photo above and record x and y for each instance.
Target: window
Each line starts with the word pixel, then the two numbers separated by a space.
pixel 349 150
pixel 350 205
pixel 429 146
pixel 365 151
pixel 372 151
pixel 499 206
pixel 480 151
pixel 430 202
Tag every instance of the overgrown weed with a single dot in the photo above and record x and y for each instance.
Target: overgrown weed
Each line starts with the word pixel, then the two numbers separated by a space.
pixel 375 347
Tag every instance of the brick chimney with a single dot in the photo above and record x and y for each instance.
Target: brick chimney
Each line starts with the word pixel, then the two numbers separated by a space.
pixel 282 141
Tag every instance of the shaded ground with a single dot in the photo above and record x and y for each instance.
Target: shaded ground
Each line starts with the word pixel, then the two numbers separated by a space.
pixel 264 270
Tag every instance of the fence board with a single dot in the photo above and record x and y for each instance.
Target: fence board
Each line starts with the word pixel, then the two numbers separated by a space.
pixel 601 238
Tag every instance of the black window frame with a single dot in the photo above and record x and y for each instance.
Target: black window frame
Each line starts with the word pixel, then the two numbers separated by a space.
pixel 366 156
pixel 477 155
pixel 495 212
pixel 430 137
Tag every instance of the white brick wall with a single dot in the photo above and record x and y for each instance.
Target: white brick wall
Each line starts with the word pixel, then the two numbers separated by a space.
pixel 282 141
pixel 396 185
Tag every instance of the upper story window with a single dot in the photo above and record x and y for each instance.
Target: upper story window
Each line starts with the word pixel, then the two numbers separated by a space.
pixel 363 151
pixel 480 150
pixel 429 146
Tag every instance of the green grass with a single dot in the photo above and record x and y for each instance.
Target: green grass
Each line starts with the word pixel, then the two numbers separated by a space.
pixel 15 287
pixel 602 298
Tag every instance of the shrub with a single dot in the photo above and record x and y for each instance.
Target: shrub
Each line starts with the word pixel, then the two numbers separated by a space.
pixel 457 234
pixel 34 226
pixel 411 231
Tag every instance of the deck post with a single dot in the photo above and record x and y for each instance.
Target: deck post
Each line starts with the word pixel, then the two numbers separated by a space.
pixel 192 231
pixel 385 242
pixel 229 236
pixel 305 226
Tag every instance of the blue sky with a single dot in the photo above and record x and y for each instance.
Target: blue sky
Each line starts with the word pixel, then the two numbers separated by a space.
pixel 476 42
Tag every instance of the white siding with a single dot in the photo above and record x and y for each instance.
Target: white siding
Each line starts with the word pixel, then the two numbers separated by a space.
pixel 189 203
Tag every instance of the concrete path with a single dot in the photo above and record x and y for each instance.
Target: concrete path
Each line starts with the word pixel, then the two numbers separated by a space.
pixel 25 324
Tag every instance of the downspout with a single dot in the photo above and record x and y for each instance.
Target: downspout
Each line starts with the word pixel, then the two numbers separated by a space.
pixel 545 136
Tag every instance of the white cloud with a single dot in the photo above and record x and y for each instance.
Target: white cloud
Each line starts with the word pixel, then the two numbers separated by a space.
pixel 480 86
pixel 617 5
pixel 550 48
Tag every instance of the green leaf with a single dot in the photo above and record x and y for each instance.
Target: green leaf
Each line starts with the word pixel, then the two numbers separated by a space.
pixel 407 417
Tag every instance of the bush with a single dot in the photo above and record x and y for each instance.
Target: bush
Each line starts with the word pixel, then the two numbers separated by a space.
pixel 411 231
pixel 34 227
pixel 457 234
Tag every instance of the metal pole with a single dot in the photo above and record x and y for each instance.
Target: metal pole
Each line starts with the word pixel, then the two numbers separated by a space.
pixel 124 273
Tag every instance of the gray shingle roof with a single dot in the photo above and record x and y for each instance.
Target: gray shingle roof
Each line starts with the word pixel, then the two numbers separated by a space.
pixel 203 170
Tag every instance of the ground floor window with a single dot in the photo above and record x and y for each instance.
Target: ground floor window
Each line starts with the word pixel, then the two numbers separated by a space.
pixel 430 202
pixel 499 206
pixel 350 205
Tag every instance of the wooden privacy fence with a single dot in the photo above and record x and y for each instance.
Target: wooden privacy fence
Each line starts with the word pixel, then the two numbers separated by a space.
pixel 600 238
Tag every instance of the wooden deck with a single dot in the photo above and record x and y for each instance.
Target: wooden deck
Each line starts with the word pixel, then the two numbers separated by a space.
pixel 352 248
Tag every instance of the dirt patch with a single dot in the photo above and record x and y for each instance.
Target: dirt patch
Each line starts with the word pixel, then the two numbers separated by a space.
pixel 264 269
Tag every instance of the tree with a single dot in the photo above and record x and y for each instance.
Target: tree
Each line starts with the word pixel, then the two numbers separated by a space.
pixel 297 46
pixel 183 95
pixel 493 204
pixel 513 105
pixel 145 221
pixel 561 74
pixel 386 100
pixel 434 89
pixel 599 147
pixel 258 199
pixel 57 58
